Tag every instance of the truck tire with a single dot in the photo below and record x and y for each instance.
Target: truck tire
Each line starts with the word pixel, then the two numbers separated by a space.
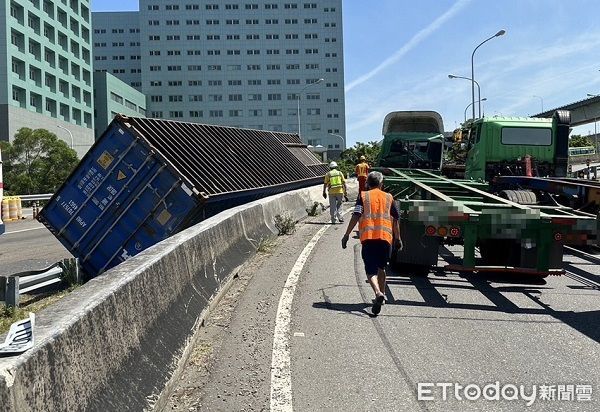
pixel 522 197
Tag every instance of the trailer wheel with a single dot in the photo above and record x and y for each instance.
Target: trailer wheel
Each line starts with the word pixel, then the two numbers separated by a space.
pixel 522 197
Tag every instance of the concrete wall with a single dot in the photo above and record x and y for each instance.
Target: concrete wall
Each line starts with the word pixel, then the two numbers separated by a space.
pixel 117 342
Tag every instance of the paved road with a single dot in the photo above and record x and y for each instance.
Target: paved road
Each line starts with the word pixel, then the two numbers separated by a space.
pixel 27 245
pixel 444 329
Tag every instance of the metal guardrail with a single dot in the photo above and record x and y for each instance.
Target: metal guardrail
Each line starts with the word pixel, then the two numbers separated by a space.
pixel 30 198
pixel 12 286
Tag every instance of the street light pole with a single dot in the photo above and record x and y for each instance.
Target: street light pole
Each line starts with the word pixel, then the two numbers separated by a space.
pixel 68 131
pixel 541 100
pixel 470 104
pixel 500 33
pixel 451 76
pixel 341 137
pixel 298 100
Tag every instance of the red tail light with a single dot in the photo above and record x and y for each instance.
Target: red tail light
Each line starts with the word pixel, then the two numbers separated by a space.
pixel 455 232
pixel 431 230
pixel 442 231
pixel 558 236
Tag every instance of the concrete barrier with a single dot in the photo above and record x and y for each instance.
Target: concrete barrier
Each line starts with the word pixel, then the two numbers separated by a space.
pixel 120 341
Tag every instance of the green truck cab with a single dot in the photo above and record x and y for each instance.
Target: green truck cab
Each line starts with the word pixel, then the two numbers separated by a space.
pixel 500 145
pixel 412 139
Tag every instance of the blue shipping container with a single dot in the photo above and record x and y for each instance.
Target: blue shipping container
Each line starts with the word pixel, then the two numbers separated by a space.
pixel 146 179
pixel 122 198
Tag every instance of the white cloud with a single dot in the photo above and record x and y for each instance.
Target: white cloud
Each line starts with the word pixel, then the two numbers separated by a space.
pixel 414 41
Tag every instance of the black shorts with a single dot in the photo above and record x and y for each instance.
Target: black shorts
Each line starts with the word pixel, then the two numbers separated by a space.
pixel 375 254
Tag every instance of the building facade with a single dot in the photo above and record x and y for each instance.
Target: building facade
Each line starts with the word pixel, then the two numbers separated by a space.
pixel 113 96
pixel 238 63
pixel 46 69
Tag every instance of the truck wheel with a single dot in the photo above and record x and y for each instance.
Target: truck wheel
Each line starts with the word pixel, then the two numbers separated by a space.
pixel 522 197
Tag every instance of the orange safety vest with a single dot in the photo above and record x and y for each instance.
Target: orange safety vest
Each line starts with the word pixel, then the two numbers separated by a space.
pixel 376 222
pixel 362 169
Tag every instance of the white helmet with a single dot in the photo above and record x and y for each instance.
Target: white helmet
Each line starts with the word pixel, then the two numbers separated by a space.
pixel 332 165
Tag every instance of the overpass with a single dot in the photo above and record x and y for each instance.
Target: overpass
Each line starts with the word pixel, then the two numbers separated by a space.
pixel 582 112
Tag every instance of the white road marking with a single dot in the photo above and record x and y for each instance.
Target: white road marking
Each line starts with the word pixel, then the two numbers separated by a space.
pixel 24 230
pixel 299 334
pixel 281 373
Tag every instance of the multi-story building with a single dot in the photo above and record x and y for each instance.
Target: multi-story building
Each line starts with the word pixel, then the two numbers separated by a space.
pixel 238 63
pixel 46 69
pixel 113 96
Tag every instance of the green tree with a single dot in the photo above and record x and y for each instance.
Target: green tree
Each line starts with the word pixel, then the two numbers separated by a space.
pixel 36 162
pixel 351 156
pixel 578 140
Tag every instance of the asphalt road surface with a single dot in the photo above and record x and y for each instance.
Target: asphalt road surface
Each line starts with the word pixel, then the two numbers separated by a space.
pixel 508 341
pixel 28 245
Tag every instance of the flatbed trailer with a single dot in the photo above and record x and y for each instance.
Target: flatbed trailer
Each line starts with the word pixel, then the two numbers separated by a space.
pixel 511 237
pixel 578 194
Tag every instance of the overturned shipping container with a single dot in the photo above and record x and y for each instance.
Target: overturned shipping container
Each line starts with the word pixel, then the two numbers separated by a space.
pixel 147 179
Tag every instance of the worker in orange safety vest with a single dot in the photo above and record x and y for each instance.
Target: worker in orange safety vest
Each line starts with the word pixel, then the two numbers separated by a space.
pixel 377 216
pixel 362 170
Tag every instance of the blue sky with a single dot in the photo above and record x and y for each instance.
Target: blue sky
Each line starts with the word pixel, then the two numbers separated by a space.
pixel 398 55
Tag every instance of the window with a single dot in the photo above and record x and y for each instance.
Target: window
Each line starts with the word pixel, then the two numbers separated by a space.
pixel 254 112
pixel 232 21
pixel 195 97
pixel 274 112
pixel 313 112
pixel 233 52
pixel 176 114
pixel 194 82
pixel 192 7
pixel 156 99
pixel 213 52
pixel 291 21
pixel 173 52
pixel 293 81
pixel 273 67
pixel 251 21
pixel 253 52
pixel 154 68
pixel 290 6
pixel 211 37
pixel 196 113
pixel 272 36
pixel 253 67
pixel 272 51
pixel 215 82
pixel 235 97
pixel 174 68
pixel 173 37
pixel 175 83
pixel 526 136
pixel 234 82
pixel 251 6
pixel 273 81
pixel 235 113
pixel 231 7
pixel 252 37
pixel 233 37
pixel 215 113
pixel 116 98
pixel 214 67
pixel 271 21
pixel 212 7
pixel 156 114
pixel 172 7
pixel 274 96
pixel 215 98
pixel 255 97
pixel 155 83
pixel 292 67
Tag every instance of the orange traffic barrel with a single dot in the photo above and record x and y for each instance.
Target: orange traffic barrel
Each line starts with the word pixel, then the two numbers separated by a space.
pixel 5 215
pixel 19 208
pixel 13 213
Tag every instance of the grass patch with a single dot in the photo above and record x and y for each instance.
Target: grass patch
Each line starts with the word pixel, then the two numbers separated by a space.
pixel 285 224
pixel 30 303
pixel 315 209
pixel 266 245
